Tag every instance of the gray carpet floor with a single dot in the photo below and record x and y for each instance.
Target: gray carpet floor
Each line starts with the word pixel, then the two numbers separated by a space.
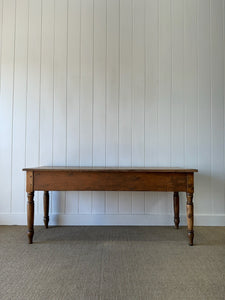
pixel 112 263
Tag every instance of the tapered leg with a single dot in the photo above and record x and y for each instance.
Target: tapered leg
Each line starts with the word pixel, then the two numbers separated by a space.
pixel 30 216
pixel 190 221
pixel 176 209
pixel 46 208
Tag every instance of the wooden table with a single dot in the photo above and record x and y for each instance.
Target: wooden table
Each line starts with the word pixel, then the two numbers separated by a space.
pixel 109 179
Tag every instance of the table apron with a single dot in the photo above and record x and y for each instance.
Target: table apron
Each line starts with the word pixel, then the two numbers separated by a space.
pixel 112 181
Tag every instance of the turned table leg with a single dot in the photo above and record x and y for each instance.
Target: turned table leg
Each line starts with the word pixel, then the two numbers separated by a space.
pixel 46 208
pixel 30 216
pixel 176 209
pixel 190 221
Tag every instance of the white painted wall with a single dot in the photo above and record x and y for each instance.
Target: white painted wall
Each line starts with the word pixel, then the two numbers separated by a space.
pixel 112 83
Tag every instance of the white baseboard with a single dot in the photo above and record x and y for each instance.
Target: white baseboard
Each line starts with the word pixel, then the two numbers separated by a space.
pixel 106 220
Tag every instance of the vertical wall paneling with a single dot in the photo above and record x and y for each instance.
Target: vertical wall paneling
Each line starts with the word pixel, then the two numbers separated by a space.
pixel 125 97
pixel 224 86
pixel 60 95
pixel 217 93
pixel 1 115
pixel 151 94
pixel 99 83
pixel 33 87
pixel 112 81
pixel 99 101
pixel 86 95
pixel 164 101
pixel 47 87
pixel 1 31
pixel 177 88
pixel 138 84
pixel 126 67
pixel 152 82
pixel 1 23
pixel 73 96
pixel 204 113
pixel 19 119
pixel 47 67
pixel 138 114
pixel 190 82
pixel 112 95
pixel 73 82
pixel 191 85
pixel 6 102
pixel 177 92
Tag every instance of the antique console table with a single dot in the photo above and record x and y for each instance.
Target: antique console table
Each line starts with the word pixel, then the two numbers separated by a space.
pixel 109 179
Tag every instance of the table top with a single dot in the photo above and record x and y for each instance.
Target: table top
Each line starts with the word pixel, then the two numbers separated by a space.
pixel 112 169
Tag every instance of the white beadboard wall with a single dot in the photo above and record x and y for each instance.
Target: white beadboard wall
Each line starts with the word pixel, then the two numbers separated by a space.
pixel 112 83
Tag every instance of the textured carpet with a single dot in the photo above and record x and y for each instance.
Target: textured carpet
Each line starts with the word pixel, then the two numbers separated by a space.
pixel 112 263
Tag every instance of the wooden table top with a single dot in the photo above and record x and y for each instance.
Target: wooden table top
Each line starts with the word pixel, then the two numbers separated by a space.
pixel 112 169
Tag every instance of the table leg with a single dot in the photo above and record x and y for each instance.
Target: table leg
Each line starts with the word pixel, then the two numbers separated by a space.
pixel 190 214
pixel 30 216
pixel 176 209
pixel 46 208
